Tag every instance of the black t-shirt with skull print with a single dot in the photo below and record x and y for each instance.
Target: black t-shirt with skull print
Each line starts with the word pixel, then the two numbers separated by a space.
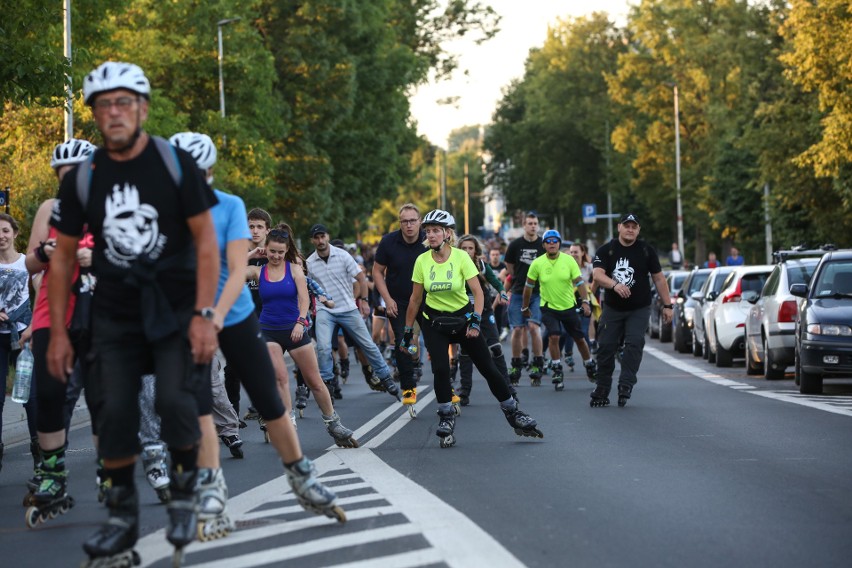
pixel 630 266
pixel 135 209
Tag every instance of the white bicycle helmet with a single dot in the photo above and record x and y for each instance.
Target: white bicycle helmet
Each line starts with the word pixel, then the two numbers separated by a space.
pixel 70 152
pixel 199 145
pixel 114 75
pixel 439 217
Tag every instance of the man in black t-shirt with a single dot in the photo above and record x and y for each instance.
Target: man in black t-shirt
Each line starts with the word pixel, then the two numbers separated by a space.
pixel 500 312
pixel 520 254
pixel 392 270
pixel 621 268
pixel 157 263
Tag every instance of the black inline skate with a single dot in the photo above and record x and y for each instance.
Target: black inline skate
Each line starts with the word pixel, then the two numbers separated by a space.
pixel 600 397
pixel 557 380
pixel 344 369
pixel 624 392
pixel 234 444
pixel 515 371
pixel 183 512
pixel 446 428
pixel 302 394
pixel 591 370
pixel 523 424
pixel 51 498
pixel 536 371
pixel 569 360
pixel 112 545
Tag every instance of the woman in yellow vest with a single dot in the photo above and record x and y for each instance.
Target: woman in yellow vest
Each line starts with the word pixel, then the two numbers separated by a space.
pixel 447 318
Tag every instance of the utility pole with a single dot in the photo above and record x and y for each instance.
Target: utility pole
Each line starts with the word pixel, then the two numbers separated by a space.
pixel 677 172
pixel 466 202
pixel 768 223
pixel 69 93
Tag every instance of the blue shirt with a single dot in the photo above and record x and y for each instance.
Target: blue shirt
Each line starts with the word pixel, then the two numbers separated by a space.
pixel 229 219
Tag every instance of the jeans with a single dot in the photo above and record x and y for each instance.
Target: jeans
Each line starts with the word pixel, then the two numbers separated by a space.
pixel 516 318
pixel 353 324
pixel 613 325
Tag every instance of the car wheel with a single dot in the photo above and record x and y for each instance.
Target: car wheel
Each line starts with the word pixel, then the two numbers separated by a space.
pixel 652 331
pixel 709 355
pixel 769 372
pixel 697 351
pixel 752 368
pixel 809 383
pixel 724 358
pixel 679 340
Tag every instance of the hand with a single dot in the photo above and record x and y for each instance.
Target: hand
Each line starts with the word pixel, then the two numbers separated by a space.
pixel 25 336
pixel 391 308
pixel 587 309
pixel 297 333
pixel 407 337
pixel 472 331
pixel 203 340
pixel 60 357
pixel 622 290
pixel 503 299
pixel 667 315
pixel 84 257
pixel 364 307
pixel 3 315
pixel 526 311
pixel 259 252
pixel 218 321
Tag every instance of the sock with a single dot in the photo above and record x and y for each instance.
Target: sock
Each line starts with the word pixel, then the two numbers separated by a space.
pixel 445 407
pixel 509 404
pixel 587 361
pixel 555 362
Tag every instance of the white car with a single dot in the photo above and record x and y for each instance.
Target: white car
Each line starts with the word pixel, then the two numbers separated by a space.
pixel 771 324
pixel 727 314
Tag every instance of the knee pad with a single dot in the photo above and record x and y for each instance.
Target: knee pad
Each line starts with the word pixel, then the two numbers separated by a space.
pixel 496 350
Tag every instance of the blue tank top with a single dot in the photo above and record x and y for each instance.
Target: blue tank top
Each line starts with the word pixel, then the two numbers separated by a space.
pixel 280 300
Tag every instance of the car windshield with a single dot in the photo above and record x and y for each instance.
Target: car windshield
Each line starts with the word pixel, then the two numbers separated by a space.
pixel 720 281
pixel 801 272
pixel 677 281
pixel 697 282
pixel 834 280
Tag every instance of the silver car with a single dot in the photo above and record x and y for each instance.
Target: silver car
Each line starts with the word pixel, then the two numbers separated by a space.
pixel 703 299
pixel 771 323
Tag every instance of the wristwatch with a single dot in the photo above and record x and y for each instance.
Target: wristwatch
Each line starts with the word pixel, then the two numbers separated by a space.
pixel 206 313
pixel 364 299
pixel 669 306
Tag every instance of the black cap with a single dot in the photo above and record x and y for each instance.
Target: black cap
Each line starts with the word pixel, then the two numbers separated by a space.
pixel 628 217
pixel 337 243
pixel 317 229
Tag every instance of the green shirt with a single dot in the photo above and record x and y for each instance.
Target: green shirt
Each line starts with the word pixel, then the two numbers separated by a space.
pixel 444 282
pixel 557 279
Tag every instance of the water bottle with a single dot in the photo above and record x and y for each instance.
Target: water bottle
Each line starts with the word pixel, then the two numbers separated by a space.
pixel 412 350
pixel 23 376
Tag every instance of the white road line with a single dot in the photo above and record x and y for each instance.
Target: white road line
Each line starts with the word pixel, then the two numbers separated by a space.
pixel 828 404
pixel 401 421
pixel 278 555
pixel 409 559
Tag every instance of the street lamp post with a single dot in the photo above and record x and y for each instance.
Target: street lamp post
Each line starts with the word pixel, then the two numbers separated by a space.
pixel 677 172
pixel 219 25
pixel 69 93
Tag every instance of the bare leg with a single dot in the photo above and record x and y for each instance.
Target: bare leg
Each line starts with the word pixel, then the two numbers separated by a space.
pixel 282 376
pixel 306 360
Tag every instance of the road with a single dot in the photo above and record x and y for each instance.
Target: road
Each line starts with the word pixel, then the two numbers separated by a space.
pixel 704 467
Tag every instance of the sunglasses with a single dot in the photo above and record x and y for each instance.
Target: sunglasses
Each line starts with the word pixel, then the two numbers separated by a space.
pixel 279 233
pixel 550 241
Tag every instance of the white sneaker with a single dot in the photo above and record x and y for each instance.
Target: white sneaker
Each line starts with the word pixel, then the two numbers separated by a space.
pixel 504 334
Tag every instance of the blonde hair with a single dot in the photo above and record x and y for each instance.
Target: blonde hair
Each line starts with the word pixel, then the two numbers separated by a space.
pixel 451 238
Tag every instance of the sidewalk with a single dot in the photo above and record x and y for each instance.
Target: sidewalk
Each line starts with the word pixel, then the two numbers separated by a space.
pixel 15 429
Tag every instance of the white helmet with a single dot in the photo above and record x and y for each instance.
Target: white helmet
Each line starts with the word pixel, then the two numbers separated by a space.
pixel 199 145
pixel 70 152
pixel 114 75
pixel 439 217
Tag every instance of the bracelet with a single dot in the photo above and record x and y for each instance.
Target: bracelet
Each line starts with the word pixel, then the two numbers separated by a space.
pixel 587 302
pixel 363 299
pixel 406 329
pixel 524 308
pixel 304 321
pixel 41 255
pixel 614 285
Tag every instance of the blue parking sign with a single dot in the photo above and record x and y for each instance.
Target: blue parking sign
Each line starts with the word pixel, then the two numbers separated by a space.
pixel 590 212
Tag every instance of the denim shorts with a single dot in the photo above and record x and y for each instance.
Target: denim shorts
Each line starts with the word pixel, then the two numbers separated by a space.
pixel 516 319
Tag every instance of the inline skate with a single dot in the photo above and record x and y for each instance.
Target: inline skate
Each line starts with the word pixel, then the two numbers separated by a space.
pixel 624 392
pixel 311 494
pixel 522 423
pixel 302 394
pixel 446 428
pixel 156 469
pixel 558 377
pixel 343 436
pixel 409 399
pixel 212 495
pixel 591 370
pixel 183 512
pixel 536 371
pixel 112 545
pixel 235 445
pixel 51 498
pixel 600 397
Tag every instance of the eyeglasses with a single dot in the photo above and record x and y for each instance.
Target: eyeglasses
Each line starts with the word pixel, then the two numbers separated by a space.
pixel 550 241
pixel 279 233
pixel 122 103
pixel 409 221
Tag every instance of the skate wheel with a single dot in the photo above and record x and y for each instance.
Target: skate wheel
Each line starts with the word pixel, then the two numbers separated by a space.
pixel 301 413
pixel 338 513
pixel 29 500
pixel 457 409
pixel 32 517
pixel 448 441
pixel 265 439
pixel 412 412
pixel 177 558
pixel 559 386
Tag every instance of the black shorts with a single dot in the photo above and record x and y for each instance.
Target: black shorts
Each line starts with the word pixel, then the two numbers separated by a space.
pixel 569 318
pixel 282 338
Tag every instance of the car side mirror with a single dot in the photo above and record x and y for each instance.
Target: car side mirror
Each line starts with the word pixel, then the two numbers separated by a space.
pixel 800 290
pixel 712 295
pixel 697 296
pixel 750 296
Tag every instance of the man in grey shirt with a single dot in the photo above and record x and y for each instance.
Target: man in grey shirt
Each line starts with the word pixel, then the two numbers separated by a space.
pixel 334 269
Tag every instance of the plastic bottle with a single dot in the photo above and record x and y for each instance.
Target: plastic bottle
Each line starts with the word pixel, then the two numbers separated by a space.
pixel 23 376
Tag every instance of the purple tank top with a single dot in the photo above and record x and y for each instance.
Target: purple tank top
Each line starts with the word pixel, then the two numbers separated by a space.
pixel 280 301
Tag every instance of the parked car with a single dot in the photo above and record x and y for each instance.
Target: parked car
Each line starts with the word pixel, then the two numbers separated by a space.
pixel 727 315
pixel 674 280
pixel 703 299
pixel 824 326
pixel 771 323
pixel 684 309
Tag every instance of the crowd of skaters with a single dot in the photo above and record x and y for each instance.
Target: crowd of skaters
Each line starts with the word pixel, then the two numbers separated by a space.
pixel 159 281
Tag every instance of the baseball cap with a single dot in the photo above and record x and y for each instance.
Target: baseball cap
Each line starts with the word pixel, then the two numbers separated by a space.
pixel 337 243
pixel 629 217
pixel 317 229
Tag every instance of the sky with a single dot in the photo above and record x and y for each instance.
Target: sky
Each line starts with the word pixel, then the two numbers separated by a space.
pixel 492 65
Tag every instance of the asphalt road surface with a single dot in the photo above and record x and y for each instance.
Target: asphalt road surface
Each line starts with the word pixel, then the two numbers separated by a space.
pixel 702 468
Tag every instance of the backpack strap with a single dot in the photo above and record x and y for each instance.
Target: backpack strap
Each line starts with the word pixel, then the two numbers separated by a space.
pixel 169 156
pixel 166 151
